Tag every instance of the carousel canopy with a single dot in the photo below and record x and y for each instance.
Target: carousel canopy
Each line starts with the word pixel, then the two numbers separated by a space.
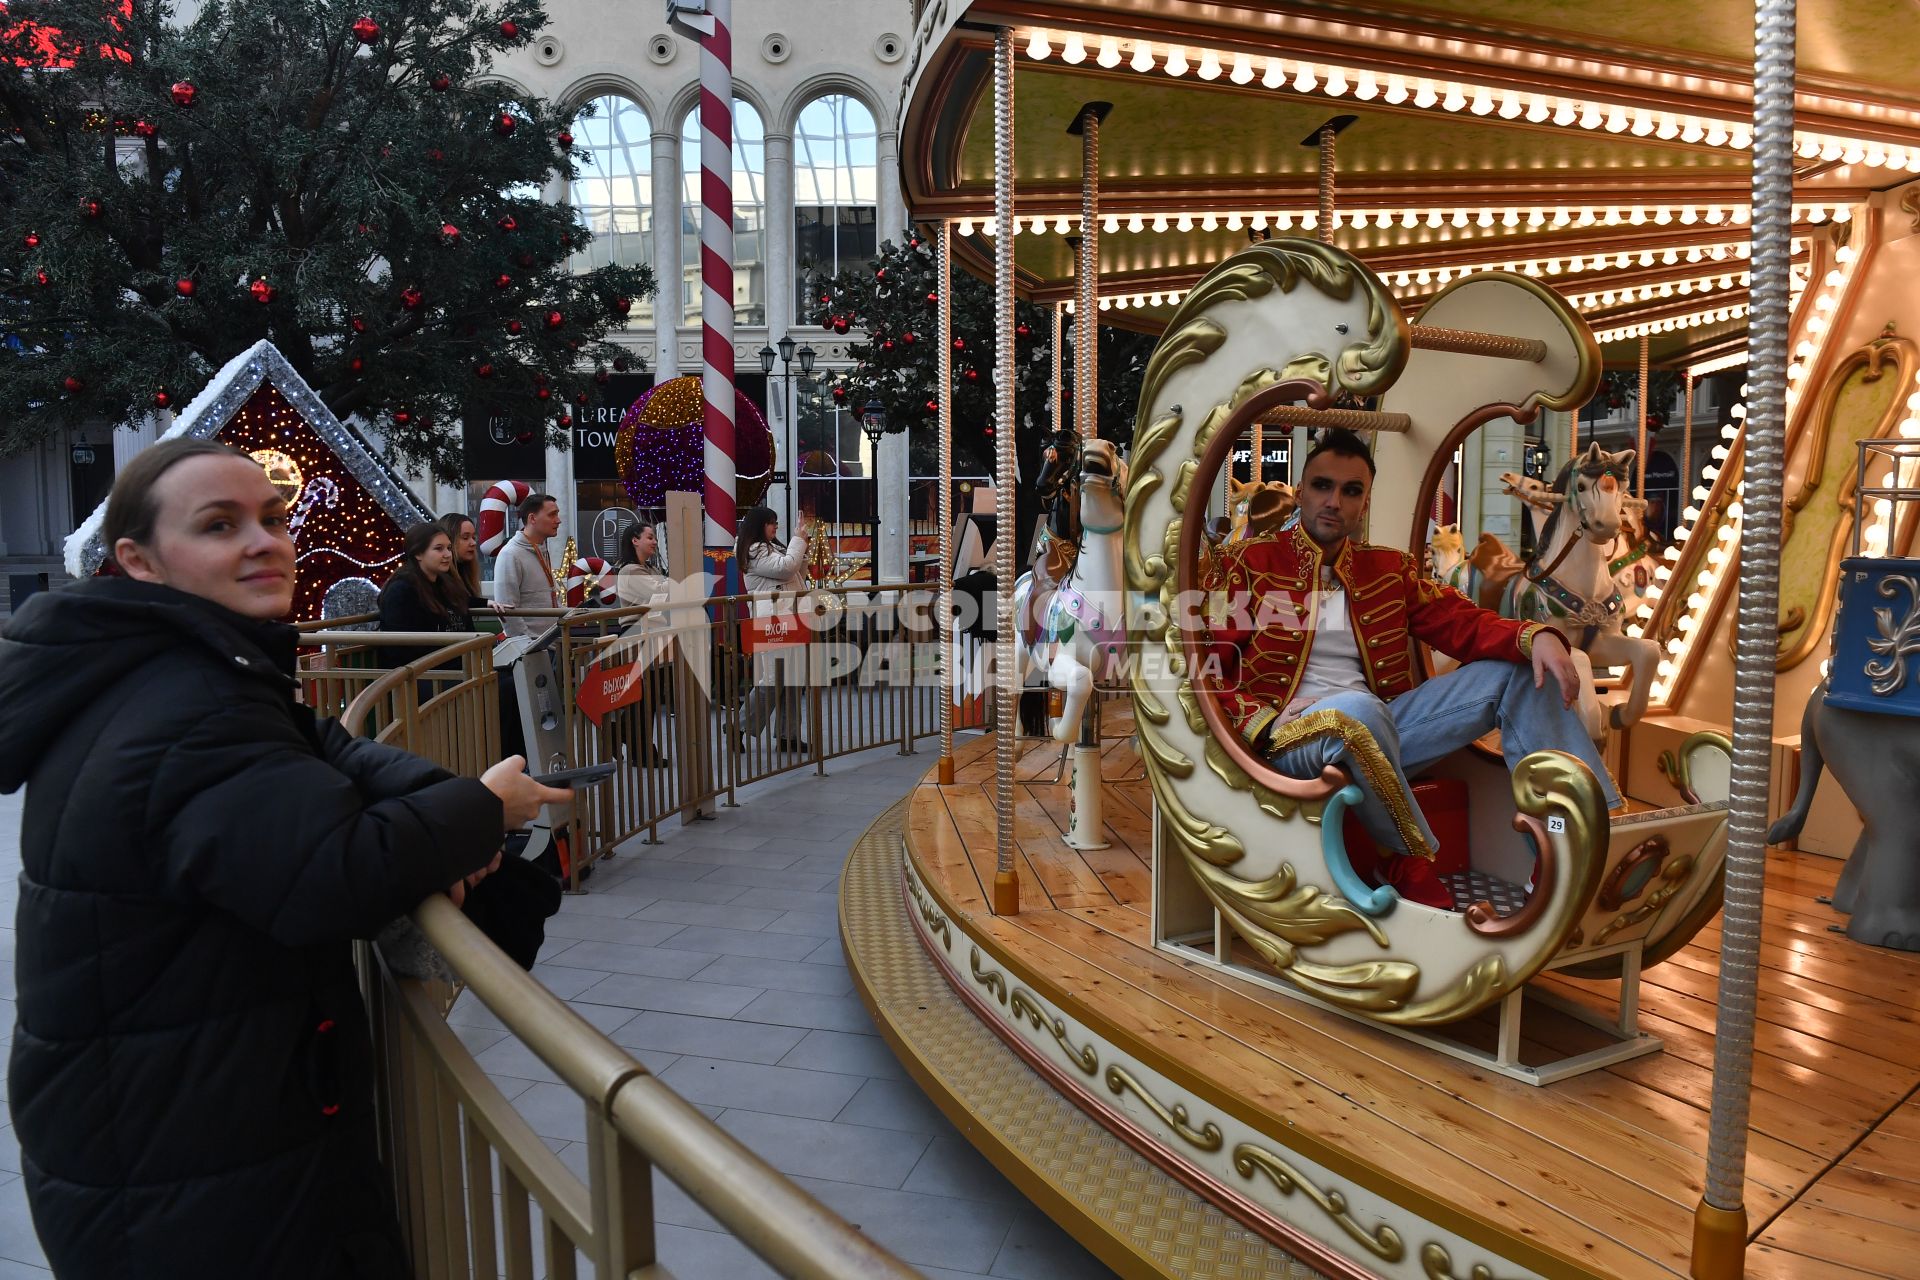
pixel 1601 148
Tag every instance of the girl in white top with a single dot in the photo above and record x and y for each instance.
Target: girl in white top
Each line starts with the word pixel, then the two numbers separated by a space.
pixel 768 565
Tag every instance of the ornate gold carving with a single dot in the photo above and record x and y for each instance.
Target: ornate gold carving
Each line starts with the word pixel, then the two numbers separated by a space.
pixel 1675 873
pixel 1207 1137
pixel 1481 917
pixel 1024 1002
pixel 936 923
pixel 1208 841
pixel 1382 1242
pixel 1614 893
pixel 1182 485
pixel 1438 1264
pixel 991 979
pixel 1553 784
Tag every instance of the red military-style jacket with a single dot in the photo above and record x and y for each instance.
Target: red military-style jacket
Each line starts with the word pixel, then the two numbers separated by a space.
pixel 1263 609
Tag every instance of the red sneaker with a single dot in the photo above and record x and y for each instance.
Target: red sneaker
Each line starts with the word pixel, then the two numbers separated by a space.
pixel 1416 880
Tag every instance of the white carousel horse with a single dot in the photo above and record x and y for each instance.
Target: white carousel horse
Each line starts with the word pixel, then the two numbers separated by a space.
pixel 1079 633
pixel 1570 583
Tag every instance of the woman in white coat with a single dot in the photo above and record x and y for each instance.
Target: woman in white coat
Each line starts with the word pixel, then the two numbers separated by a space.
pixel 768 565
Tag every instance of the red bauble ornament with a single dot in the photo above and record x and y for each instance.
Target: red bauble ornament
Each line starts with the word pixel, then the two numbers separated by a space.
pixel 365 30
pixel 483 370
pixel 1023 330
pixel 365 228
pixel 411 298
pixel 880 274
pixel 183 93
pixel 555 319
pixel 933 406
pixel 508 224
pixel 524 437
pixel 503 281
pixel 357 365
pixel 622 306
pixel 582 400
pixel 144 128
pixel 971 375
pixel 959 344
pixel 909 338
pixel 601 376
pixel 840 324
pixel 505 125
pixel 513 327
pixel 989 431
pixel 565 140
pixel 41 278
pixel 401 417
pixel 262 292
pixel 91 209
pixel 358 324
pixel 620 364
pixel 887 345
pixel 184 287
pixel 73 385
pixel 509 30
pixel 839 393
pixel 566 241
pixel 913 244
pixel 435 155
pixel 566 423
pixel 539 379
pixel 543 393
pixel 449 233
pixel 32 240
pixel 161 399
pixel 441 83
pixel 826 299
pixel 932 297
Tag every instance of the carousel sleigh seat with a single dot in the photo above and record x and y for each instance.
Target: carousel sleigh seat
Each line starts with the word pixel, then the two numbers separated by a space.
pixel 1251 868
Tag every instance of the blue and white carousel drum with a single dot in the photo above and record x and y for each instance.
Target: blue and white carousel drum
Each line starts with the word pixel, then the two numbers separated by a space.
pixel 1877 637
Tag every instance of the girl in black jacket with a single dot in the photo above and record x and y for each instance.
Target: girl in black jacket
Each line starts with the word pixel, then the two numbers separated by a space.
pixel 191 1072
pixel 417 597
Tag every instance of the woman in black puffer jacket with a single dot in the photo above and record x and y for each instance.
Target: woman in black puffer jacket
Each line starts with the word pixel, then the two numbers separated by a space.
pixel 191 1074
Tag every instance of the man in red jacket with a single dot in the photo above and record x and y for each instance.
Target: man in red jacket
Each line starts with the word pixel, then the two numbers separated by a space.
pixel 1315 632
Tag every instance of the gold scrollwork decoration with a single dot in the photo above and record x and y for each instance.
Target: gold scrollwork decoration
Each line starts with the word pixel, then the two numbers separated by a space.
pixel 992 979
pixel 1438 1264
pixel 1207 1137
pixel 1677 767
pixel 1383 1242
pixel 1674 873
pixel 1024 1002
pixel 936 923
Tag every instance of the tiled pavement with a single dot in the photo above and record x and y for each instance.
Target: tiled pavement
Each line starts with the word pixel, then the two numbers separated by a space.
pixel 715 957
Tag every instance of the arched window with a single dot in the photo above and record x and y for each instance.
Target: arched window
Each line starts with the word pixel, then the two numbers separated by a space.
pixel 835 189
pixel 749 216
pixel 614 190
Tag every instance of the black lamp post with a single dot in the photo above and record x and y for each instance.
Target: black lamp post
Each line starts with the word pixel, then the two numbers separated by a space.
pixel 786 374
pixel 873 422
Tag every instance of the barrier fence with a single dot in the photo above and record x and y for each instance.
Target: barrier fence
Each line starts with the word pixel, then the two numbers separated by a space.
pixel 479 1193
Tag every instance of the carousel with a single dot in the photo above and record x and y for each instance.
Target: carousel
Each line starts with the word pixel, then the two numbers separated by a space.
pixel 1179 997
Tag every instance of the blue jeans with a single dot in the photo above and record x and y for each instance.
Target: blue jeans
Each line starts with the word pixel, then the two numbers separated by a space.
pixel 1420 728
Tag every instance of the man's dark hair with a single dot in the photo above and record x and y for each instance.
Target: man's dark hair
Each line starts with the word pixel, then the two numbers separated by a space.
pixel 534 504
pixel 1342 443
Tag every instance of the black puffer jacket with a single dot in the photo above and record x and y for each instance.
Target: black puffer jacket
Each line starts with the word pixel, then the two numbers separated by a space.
pixel 191 1075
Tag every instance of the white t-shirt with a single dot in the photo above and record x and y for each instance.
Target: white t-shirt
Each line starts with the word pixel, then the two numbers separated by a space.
pixel 1333 658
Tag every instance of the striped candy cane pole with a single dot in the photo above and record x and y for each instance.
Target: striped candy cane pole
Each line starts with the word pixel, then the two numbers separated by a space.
pixel 716 269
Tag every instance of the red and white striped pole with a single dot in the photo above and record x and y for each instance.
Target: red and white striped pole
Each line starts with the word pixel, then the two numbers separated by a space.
pixel 714 27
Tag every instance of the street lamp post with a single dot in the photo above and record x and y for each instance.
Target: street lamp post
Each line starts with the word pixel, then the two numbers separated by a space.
pixel 787 375
pixel 873 422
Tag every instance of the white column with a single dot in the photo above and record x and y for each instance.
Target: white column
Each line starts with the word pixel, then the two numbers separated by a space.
pixel 560 485
pixel 146 429
pixel 666 254
pixel 891 209
pixel 892 472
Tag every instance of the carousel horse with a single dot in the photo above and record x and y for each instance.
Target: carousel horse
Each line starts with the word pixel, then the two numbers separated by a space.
pixel 1482 576
pixel 1570 583
pixel 1074 626
pixel 1252 871
pixel 1258 509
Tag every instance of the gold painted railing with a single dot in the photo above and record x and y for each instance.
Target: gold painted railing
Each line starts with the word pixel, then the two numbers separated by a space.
pixel 469 1171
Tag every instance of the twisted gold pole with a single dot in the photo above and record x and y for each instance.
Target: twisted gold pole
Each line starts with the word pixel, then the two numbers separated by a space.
pixel 1641 488
pixel 1325 229
pixel 1086 333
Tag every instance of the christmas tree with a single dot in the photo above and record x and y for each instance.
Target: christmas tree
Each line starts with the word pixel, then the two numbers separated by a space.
pixel 895 299
pixel 333 177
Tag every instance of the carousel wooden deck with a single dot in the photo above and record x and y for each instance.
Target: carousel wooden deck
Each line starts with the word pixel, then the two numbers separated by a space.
pixel 1596 1175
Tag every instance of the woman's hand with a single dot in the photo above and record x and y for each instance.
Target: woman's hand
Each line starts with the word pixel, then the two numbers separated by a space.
pixel 520 796
pixel 458 889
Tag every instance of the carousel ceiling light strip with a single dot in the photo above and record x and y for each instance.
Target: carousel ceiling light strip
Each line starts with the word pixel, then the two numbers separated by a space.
pixel 1331 80
pixel 1664 289
pixel 1670 323
pixel 1732 360
pixel 1547 216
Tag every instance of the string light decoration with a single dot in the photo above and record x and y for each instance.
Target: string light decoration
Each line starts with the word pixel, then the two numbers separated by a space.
pixel 348 509
pixel 661 448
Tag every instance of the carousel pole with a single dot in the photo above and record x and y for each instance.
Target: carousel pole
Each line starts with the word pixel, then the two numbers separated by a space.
pixel 1088 828
pixel 1641 457
pixel 1324 227
pixel 1686 447
pixel 1059 335
pixel 1006 694
pixel 949 663
pixel 1720 1220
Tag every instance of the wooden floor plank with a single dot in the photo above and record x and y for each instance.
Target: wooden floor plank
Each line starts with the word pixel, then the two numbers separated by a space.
pixel 1877 1248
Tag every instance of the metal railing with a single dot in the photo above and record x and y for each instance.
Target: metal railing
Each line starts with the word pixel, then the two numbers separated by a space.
pixel 469 1171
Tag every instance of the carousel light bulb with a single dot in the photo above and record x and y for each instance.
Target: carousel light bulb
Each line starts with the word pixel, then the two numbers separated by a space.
pixel 1831 151
pixel 1735 510
pixel 1242 69
pixel 1275 74
pixel 1661 573
pixel 1184 224
pixel 1074 51
pixel 1510 105
pixel 1666 668
pixel 1485 219
pixel 1209 223
pixel 1669 129
pixel 1710 474
pixel 1644 612
pixel 1590 117
pixel 1687 622
pixel 1283 221
pixel 1716 134
pixel 1701 493
pixel 1136 224
pixel 1676 646
pixel 1209 68
pixel 1482 101
pixel 1037 48
pixel 1303 80
pixel 1063 225
pixel 1142 59
pixel 1259 222
pixel 1336 84
pixel 1875 156
pixel 1536 218
pixel 1435 217
pixel 1365 87
pixel 1854 154
pixel 1691 132
pixel 964 227
pixel 1160 222
pixel 1105 303
pixel 1455 99
pixel 1716 556
pixel 1617 120
pixel 1396 90
pixel 1109 53
pixel 1844 254
pixel 1233 222
pixel 1459 217
pixel 1176 64
pixel 1537 110
pixel 1565 114
pixel 1424 97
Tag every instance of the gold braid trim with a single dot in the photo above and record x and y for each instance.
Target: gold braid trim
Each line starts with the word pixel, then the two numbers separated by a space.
pixel 1529 632
pixel 1381 773
pixel 1257 724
